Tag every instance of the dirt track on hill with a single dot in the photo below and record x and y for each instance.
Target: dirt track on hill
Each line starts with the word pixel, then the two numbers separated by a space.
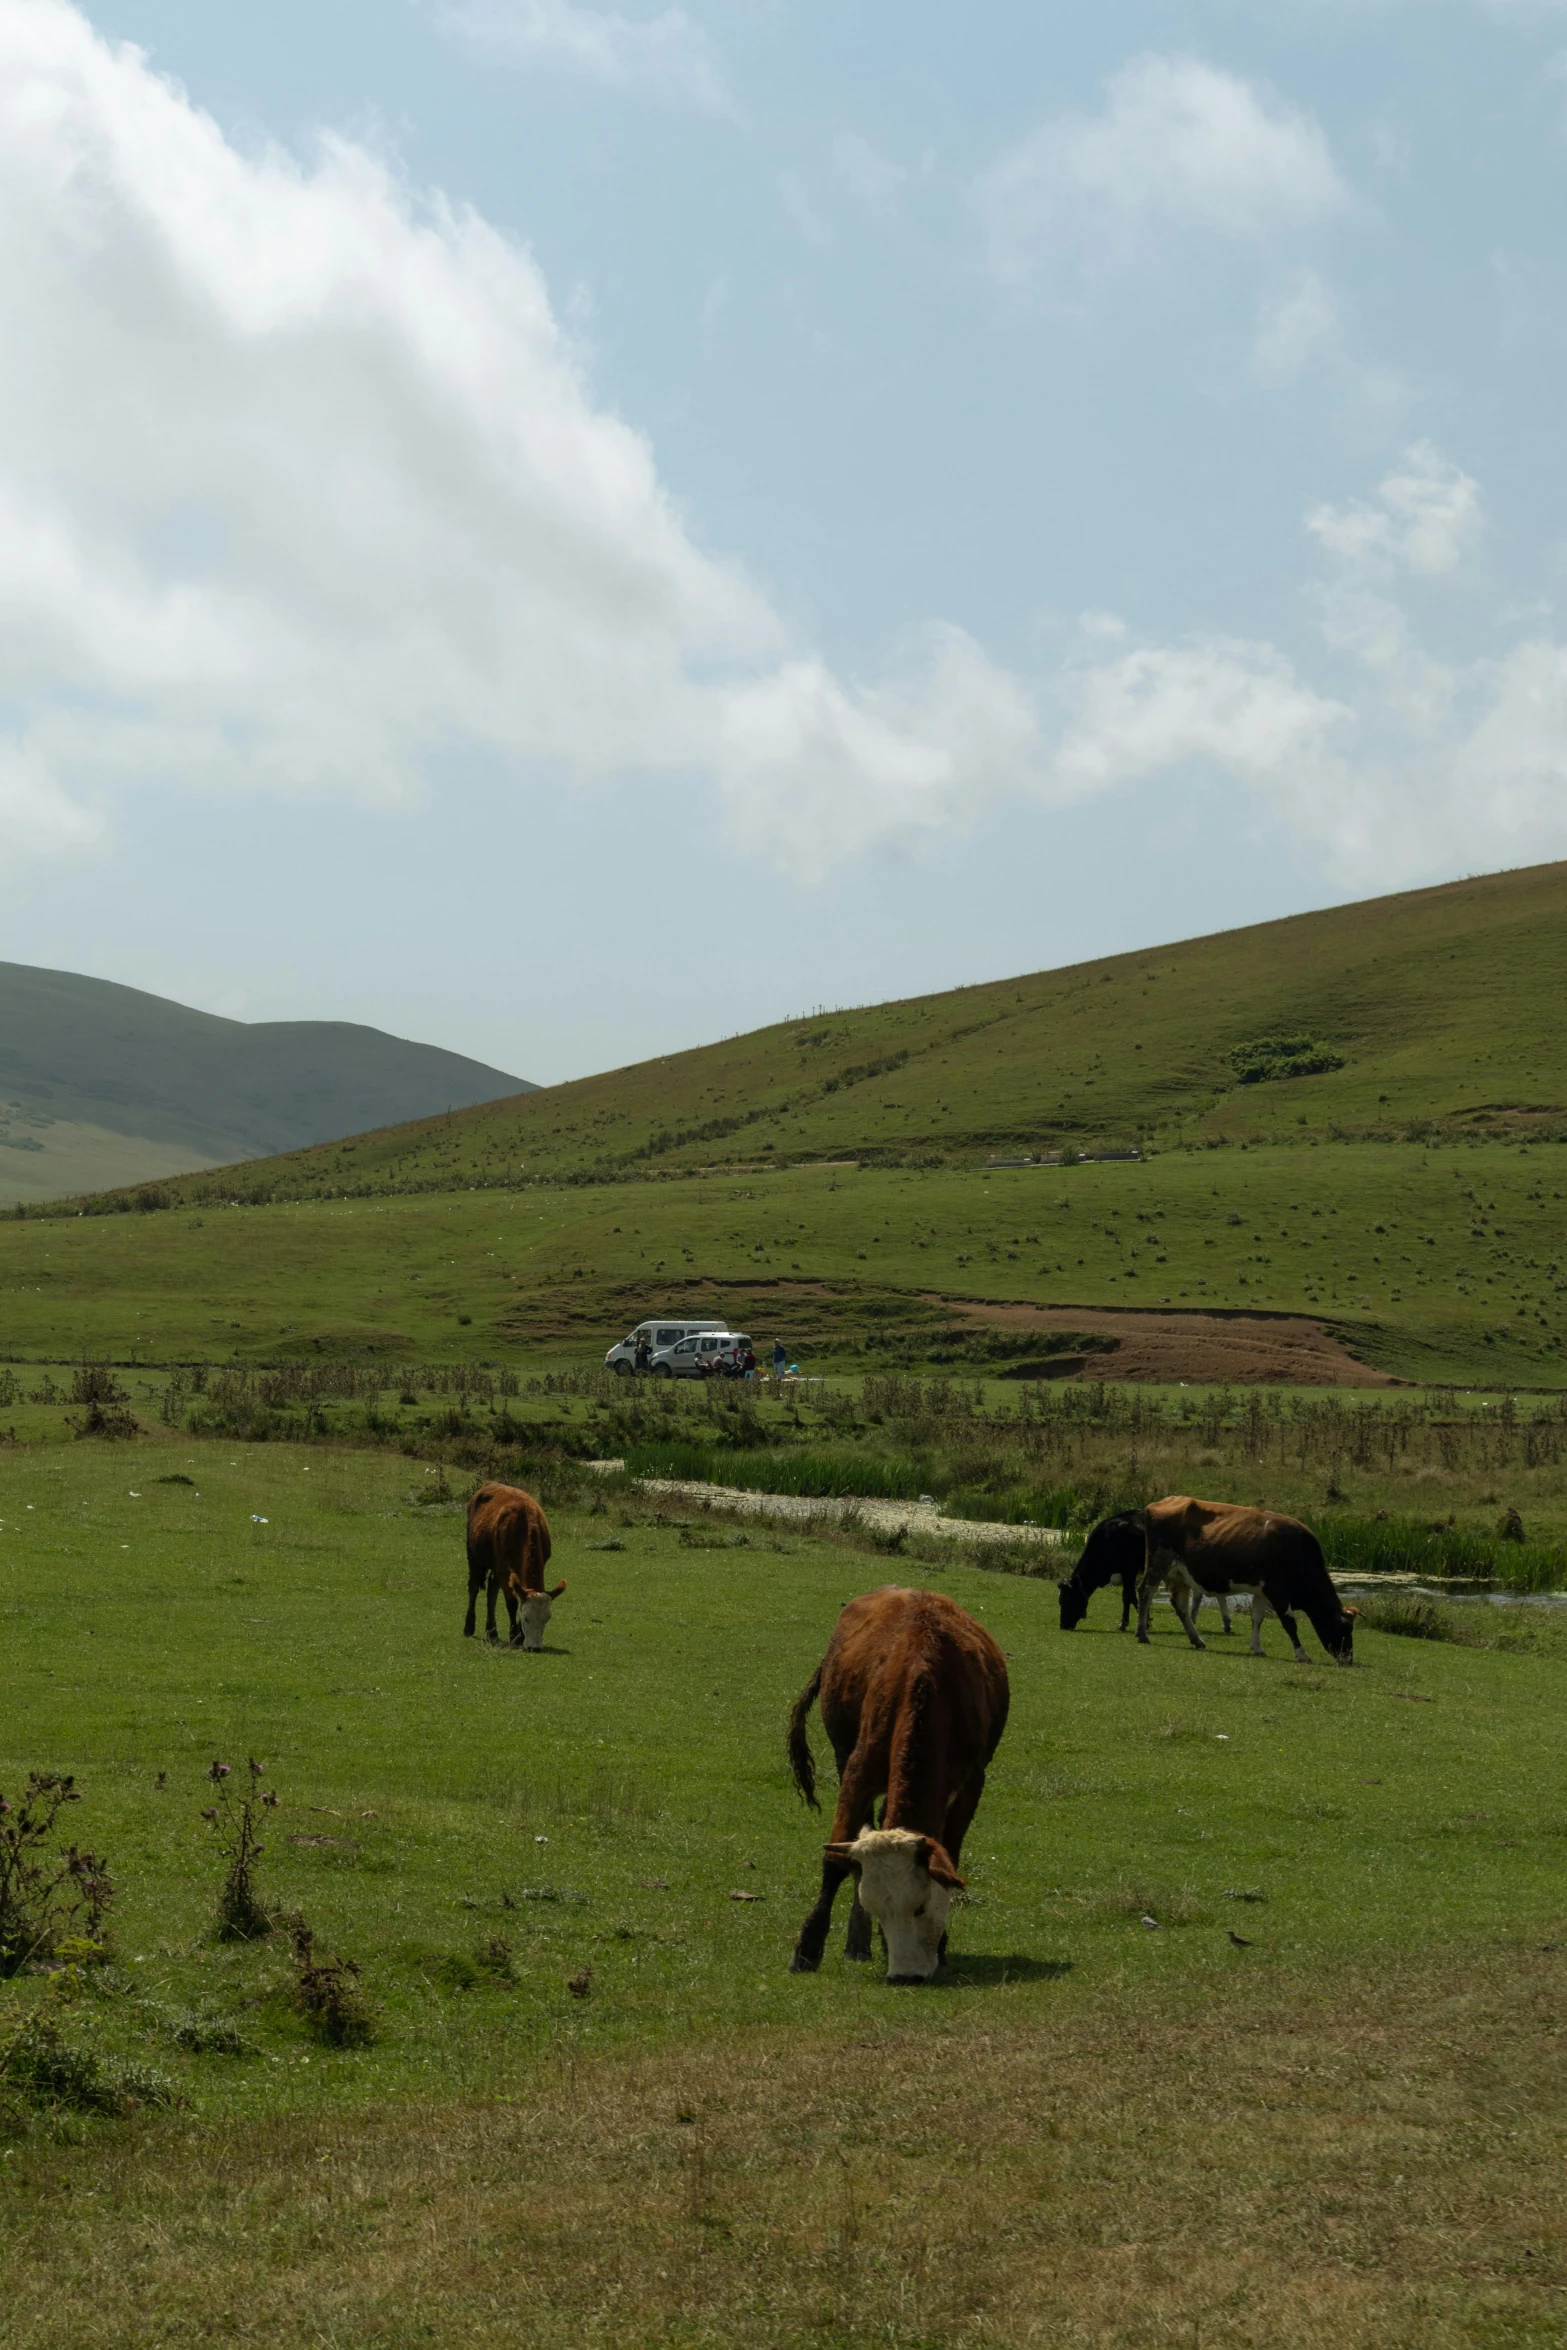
pixel 1257 1349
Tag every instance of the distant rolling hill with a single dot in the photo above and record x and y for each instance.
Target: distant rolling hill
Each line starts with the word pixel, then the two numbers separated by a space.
pixel 102 1086
pixel 1433 1013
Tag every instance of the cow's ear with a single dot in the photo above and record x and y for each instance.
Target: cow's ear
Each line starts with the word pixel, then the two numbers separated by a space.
pixel 558 1588
pixel 843 1852
pixel 939 1867
pixel 1352 1611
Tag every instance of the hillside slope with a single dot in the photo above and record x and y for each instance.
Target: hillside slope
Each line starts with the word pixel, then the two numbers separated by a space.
pixel 1431 1264
pixel 1433 1012
pixel 102 1084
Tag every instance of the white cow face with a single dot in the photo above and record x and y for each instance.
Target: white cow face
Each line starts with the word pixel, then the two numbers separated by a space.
pixel 906 1883
pixel 533 1613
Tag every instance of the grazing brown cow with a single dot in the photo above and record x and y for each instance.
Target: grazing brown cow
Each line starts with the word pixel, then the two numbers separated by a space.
pixel 914 1699
pixel 1226 1547
pixel 508 1551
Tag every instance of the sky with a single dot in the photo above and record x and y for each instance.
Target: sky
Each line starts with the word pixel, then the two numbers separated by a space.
pixel 566 532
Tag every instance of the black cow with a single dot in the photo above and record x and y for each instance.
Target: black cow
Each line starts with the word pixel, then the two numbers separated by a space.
pixel 1117 1551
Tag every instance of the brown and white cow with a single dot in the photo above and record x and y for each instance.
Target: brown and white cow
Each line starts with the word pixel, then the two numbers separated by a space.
pixel 508 1551
pixel 914 1698
pixel 1226 1547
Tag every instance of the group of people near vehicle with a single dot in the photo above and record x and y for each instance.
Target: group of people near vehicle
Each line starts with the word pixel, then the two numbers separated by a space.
pixel 734 1361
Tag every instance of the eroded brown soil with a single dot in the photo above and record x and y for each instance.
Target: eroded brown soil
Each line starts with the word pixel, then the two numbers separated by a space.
pixel 1258 1349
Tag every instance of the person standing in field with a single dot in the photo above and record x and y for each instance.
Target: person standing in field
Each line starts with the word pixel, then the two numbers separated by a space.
pixel 780 1359
pixel 644 1350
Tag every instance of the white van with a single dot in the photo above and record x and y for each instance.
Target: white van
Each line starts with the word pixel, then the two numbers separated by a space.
pixel 664 1330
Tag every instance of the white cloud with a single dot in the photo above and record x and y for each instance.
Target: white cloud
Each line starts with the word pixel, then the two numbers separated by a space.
pixel 301 486
pixel 1299 338
pixel 668 54
pixel 817 774
pixel 1224 702
pixel 1414 765
pixel 872 178
pixel 1177 145
pixel 1296 328
pixel 1425 517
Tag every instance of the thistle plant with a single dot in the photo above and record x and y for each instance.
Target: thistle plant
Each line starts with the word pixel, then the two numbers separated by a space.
pixel 236 1821
pixel 44 1894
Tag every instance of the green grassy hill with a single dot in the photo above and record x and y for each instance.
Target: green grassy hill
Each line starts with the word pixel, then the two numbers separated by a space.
pixel 105 1085
pixel 1426 1263
pixel 1407 1201
pixel 1436 1012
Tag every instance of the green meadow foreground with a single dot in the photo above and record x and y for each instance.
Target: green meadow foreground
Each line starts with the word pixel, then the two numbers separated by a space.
pixel 597 2108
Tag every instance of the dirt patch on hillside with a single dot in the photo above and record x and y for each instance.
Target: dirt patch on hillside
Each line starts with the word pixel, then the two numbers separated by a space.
pixel 1280 1350
pixel 1276 1350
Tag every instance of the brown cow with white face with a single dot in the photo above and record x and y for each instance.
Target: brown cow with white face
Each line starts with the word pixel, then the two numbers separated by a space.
pixel 914 1698
pixel 508 1551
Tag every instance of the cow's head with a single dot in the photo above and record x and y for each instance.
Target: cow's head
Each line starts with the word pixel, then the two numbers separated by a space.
pixel 1113 1545
pixel 1343 1647
pixel 533 1613
pixel 907 1883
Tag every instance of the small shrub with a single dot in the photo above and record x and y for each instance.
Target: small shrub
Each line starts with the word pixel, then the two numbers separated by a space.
pixel 328 1994
pixel 44 1895
pixel 200 2034
pixel 454 1970
pixel 46 2069
pixel 108 1420
pixel 496 1958
pixel 1410 1616
pixel 242 1915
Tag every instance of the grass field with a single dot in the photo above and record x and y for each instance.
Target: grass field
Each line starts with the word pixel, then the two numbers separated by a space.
pixel 1362 2107
pixel 1430 1263
pixel 1432 1012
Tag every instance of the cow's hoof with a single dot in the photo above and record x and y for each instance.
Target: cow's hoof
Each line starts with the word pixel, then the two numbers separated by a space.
pixel 861 1957
pixel 799 1964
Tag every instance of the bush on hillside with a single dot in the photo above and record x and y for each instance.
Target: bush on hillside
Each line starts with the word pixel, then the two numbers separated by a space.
pixel 1269 1057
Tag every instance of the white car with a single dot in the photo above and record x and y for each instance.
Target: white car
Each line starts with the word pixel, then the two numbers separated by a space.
pixel 664 1330
pixel 701 1353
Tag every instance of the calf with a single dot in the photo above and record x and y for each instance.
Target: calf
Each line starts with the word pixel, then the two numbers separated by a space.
pixel 508 1551
pixel 1224 1547
pixel 914 1698
pixel 1117 1551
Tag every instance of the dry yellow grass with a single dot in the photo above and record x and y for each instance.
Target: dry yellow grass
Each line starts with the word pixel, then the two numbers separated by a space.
pixel 1366 2162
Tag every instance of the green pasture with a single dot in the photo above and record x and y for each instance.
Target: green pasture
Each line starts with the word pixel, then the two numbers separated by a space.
pixel 599 1804
pixel 1349 1876
pixel 1431 1263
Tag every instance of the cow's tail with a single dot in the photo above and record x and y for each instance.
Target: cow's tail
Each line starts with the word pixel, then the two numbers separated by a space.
pixel 800 1762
